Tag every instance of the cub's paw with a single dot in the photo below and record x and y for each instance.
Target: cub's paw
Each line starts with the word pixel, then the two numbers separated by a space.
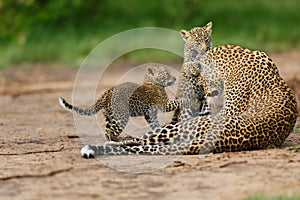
pixel 88 151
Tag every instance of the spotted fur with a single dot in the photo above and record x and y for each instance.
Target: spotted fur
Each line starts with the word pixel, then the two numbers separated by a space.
pixel 259 108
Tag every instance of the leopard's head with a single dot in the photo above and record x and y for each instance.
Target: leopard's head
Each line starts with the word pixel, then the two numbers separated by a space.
pixel 197 45
pixel 160 75
pixel 197 41
pixel 189 70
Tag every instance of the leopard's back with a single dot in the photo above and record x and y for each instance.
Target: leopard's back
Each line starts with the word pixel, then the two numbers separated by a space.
pixel 256 97
pixel 252 81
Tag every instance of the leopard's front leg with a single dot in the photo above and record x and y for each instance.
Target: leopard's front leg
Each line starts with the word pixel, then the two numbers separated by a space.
pixel 151 118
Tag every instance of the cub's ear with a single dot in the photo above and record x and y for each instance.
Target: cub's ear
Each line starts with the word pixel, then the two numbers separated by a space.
pixel 184 34
pixel 151 70
pixel 208 27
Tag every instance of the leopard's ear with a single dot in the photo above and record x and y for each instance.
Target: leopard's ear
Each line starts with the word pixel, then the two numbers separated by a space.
pixel 151 70
pixel 208 27
pixel 184 34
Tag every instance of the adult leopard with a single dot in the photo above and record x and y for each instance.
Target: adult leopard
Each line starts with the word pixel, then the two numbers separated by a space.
pixel 259 108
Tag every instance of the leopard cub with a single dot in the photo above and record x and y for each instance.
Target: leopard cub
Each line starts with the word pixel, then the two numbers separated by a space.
pixel 130 100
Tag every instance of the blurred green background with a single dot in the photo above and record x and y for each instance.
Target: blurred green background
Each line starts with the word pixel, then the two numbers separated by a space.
pixel 65 31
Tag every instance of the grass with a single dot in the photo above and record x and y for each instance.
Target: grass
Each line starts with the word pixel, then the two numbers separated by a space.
pixel 294 148
pixel 256 24
pixel 273 197
pixel 67 48
pixel 296 129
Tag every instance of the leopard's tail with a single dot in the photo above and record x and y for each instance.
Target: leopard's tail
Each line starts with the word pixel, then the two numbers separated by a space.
pixel 82 111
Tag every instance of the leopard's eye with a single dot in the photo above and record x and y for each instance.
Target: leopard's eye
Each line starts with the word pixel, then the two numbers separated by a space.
pixel 197 44
pixel 207 40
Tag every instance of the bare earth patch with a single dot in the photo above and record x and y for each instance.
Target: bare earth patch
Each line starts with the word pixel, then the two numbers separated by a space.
pixel 40 159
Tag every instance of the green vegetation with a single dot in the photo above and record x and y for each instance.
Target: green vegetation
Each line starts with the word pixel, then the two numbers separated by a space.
pixel 296 128
pixel 295 148
pixel 274 197
pixel 65 31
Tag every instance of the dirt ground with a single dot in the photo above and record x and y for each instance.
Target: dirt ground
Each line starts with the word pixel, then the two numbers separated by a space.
pixel 40 149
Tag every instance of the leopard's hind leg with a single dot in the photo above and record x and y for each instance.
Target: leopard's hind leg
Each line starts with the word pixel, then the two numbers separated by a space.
pixel 114 127
pixel 112 130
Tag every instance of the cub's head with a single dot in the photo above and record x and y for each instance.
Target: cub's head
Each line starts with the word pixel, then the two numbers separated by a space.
pixel 160 75
pixel 190 70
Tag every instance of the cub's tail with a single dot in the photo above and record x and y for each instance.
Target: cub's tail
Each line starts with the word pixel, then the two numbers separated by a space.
pixel 82 111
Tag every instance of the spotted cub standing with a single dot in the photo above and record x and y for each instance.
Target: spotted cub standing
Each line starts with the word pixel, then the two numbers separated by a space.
pixel 190 94
pixel 131 100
